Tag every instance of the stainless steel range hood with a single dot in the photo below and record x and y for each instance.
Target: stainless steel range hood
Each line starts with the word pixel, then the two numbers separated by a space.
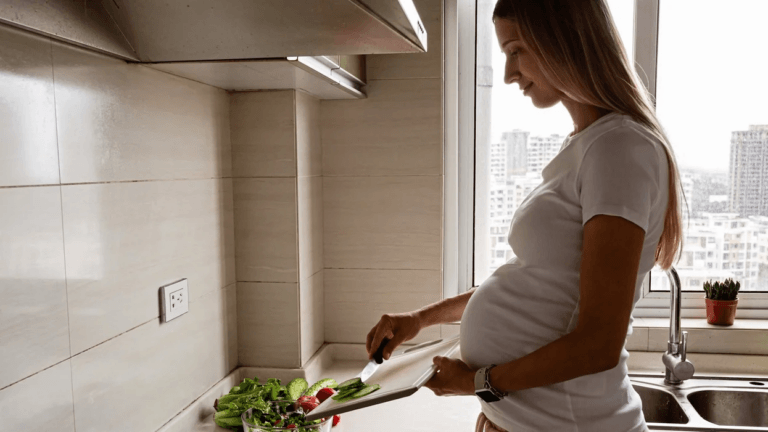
pixel 205 30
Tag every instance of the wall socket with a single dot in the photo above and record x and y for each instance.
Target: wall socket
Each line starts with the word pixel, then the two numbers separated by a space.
pixel 174 300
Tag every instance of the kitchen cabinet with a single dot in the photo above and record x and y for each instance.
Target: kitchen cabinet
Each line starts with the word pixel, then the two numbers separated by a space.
pixel 237 45
pixel 324 77
pixel 205 30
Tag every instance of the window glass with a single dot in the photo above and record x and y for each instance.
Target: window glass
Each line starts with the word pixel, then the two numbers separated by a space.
pixel 711 100
pixel 514 140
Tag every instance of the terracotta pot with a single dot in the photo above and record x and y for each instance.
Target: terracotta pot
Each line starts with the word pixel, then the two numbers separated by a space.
pixel 721 312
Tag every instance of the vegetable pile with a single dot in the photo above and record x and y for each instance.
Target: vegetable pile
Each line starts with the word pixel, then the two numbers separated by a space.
pixel 273 404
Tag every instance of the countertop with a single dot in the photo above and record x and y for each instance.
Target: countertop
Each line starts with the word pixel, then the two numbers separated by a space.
pixel 420 412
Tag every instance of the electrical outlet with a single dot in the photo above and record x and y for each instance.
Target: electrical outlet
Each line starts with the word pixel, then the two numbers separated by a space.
pixel 174 300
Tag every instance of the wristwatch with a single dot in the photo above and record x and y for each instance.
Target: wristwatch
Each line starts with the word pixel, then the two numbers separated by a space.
pixel 483 386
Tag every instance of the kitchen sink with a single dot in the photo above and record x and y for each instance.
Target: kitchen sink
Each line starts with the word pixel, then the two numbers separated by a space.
pixel 731 407
pixel 704 403
pixel 660 406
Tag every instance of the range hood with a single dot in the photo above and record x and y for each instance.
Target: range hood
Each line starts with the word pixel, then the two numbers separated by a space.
pixel 208 30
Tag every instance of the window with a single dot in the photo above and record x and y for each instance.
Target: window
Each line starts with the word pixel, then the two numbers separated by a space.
pixel 668 40
pixel 507 123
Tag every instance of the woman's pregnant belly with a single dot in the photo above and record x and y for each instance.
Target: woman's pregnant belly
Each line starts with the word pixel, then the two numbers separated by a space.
pixel 517 310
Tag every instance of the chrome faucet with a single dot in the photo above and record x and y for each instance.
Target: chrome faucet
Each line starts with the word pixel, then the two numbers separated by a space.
pixel 678 368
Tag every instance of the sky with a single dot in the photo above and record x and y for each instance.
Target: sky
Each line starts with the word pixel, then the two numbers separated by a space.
pixel 712 78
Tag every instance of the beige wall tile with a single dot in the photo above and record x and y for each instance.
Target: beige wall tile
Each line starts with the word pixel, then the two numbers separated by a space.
pixel 141 379
pixel 415 65
pixel 232 327
pixel 196 416
pixel 119 121
pixel 33 292
pixel 265 229
pixel 382 222
pixel 42 402
pixel 753 342
pixel 263 133
pixel 124 241
pixel 227 207
pixel 355 300
pixel 397 130
pixel 28 154
pixel 311 303
pixel 268 324
pixel 310 226
pixel 705 364
pixel 309 149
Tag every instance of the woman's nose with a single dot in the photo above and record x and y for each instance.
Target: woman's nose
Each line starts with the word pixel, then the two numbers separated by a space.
pixel 511 74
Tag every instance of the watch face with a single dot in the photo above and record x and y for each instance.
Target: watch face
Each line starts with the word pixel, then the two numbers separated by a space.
pixel 487 396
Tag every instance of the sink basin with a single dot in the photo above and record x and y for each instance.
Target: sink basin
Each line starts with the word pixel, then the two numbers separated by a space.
pixel 732 407
pixel 660 406
pixel 704 403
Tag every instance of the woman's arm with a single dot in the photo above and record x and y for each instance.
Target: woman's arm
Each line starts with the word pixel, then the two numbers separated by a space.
pixel 444 311
pixel 609 264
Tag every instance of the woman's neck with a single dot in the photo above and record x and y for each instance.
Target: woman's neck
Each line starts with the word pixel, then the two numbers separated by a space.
pixel 583 115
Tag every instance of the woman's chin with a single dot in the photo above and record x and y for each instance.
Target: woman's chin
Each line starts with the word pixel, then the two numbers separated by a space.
pixel 543 102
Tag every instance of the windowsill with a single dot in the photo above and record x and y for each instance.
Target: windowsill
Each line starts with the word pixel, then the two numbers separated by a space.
pixel 701 323
pixel 745 336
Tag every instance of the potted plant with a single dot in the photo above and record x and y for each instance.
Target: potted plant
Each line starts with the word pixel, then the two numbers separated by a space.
pixel 721 301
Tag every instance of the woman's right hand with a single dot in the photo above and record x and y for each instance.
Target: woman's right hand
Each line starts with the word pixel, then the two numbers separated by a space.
pixel 398 328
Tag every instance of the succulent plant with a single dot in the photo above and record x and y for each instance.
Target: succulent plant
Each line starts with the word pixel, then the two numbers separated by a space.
pixel 726 290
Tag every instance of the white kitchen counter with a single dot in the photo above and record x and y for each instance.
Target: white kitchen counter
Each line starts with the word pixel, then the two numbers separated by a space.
pixel 423 411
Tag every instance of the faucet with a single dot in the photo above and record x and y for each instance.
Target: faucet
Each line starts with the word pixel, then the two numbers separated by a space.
pixel 678 368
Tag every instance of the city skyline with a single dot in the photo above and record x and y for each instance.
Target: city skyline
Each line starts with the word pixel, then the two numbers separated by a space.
pixel 718 242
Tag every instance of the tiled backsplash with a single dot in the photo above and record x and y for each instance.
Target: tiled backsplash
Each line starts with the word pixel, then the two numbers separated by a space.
pixel 307 218
pixel 115 179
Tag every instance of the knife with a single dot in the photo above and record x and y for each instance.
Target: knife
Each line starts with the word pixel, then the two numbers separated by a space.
pixel 374 364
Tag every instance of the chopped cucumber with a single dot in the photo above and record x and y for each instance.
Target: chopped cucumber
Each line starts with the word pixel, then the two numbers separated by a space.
pixel 344 394
pixel 357 393
pixel 323 383
pixel 296 387
pixel 350 382
pixel 368 389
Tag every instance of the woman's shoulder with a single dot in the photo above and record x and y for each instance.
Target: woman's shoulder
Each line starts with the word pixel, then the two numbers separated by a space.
pixel 618 132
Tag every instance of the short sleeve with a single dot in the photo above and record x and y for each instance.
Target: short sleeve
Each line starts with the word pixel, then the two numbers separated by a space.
pixel 619 176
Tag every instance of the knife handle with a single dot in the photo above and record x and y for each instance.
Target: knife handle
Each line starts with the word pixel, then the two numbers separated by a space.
pixel 379 354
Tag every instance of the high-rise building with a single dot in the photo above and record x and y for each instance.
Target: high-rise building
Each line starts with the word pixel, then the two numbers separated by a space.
pixel 498 163
pixel 515 144
pixel 718 246
pixel 541 150
pixel 748 172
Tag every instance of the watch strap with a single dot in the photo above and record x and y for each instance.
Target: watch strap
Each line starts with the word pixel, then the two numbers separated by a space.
pixel 483 385
pixel 488 385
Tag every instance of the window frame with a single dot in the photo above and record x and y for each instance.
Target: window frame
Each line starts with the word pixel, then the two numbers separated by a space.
pixel 460 53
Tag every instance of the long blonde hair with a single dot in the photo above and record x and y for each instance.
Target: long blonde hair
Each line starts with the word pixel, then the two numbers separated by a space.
pixel 579 51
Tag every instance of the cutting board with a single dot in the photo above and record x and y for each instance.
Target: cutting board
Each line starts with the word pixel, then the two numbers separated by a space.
pixel 401 376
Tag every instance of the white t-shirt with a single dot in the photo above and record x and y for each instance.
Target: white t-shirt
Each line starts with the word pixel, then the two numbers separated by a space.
pixel 613 167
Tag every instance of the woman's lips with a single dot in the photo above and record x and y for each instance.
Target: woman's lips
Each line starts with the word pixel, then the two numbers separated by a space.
pixel 526 88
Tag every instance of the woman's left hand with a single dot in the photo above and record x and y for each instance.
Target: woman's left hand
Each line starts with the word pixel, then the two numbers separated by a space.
pixel 452 378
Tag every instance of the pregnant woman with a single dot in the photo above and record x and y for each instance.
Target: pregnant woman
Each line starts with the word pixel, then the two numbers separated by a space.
pixel 542 339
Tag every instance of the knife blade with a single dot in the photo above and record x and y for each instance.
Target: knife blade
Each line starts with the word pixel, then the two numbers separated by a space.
pixel 374 364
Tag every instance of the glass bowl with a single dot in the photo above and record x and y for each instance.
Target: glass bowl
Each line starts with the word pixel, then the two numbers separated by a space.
pixel 249 427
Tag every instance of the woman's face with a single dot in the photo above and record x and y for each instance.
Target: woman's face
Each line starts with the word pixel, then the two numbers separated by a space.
pixel 521 68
